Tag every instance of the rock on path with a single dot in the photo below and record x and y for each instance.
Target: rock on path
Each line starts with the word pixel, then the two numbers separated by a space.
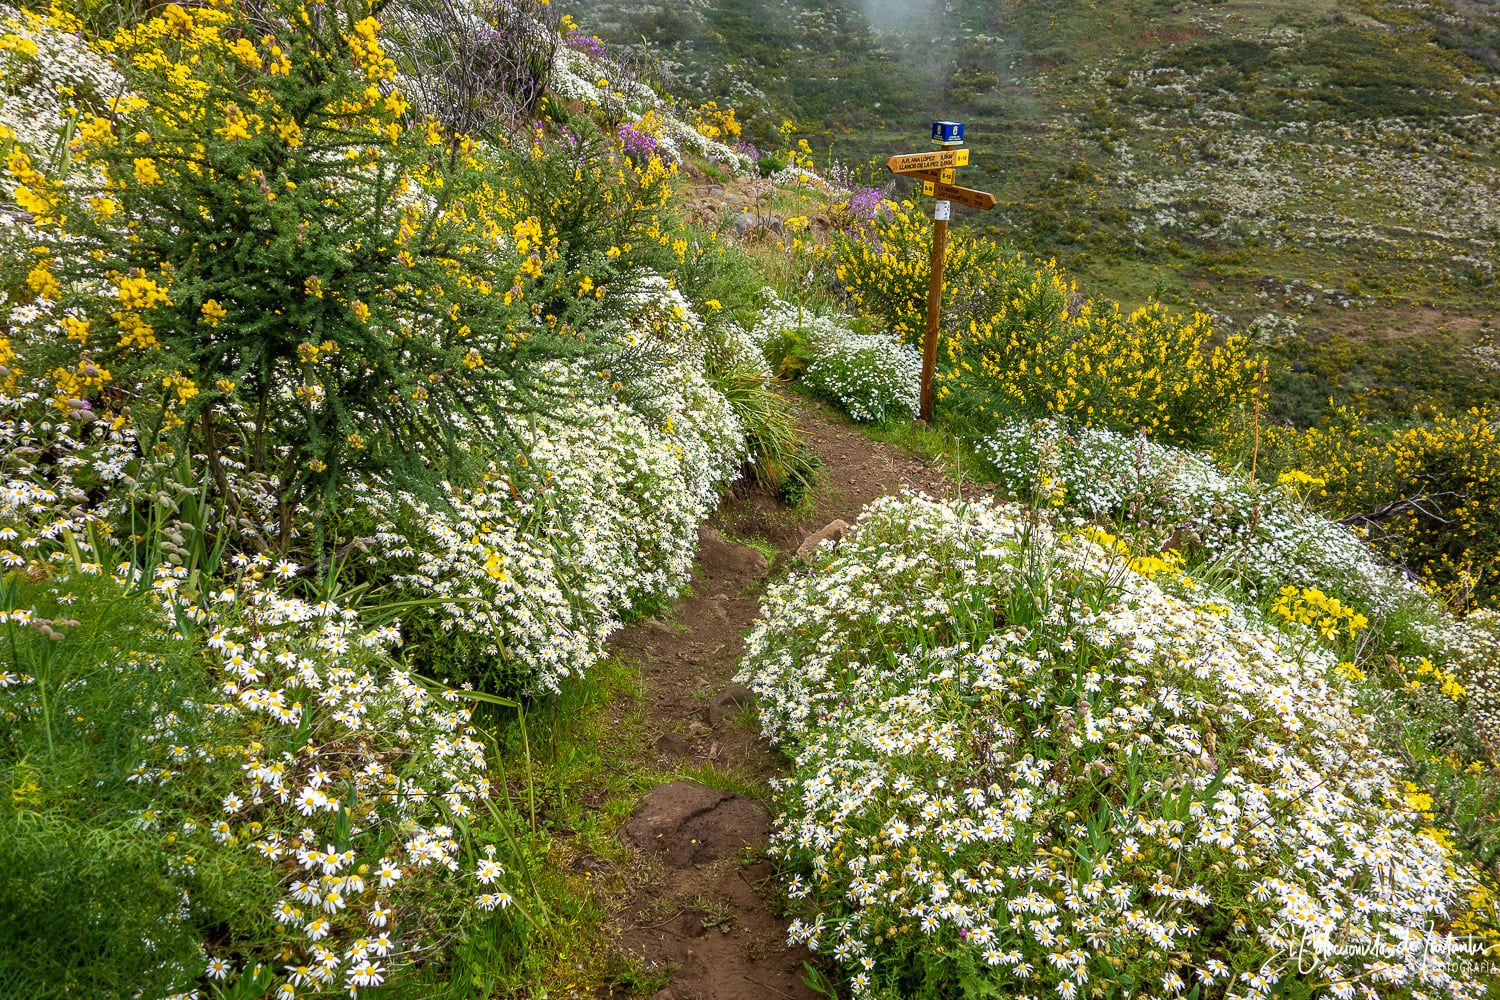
pixel 692 824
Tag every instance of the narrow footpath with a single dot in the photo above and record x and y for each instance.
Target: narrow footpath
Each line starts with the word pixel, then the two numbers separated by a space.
pixel 703 906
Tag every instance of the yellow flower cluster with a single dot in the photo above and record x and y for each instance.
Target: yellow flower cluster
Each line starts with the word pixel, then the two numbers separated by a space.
pixel 883 268
pixel 1150 370
pixel 76 383
pixel 651 124
pixel 10 371
pixel 713 122
pixel 137 295
pixel 1447 471
pixel 1299 484
pixel 1426 673
pixel 1167 563
pixel 364 42
pixel 34 193
pixel 1482 918
pixel 1310 606
pixel 1020 340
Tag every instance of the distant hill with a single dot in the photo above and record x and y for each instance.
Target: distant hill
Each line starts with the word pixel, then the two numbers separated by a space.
pixel 1323 168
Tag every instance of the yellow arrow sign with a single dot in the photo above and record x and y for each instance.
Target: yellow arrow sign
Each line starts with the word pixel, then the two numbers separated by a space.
pixel 938 176
pixel 982 200
pixel 908 162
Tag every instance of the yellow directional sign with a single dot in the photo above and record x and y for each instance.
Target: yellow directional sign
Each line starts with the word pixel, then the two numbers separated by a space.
pixel 909 162
pixel 937 171
pixel 982 200
pixel 940 176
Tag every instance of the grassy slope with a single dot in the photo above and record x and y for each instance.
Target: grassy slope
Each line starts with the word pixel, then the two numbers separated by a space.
pixel 1335 161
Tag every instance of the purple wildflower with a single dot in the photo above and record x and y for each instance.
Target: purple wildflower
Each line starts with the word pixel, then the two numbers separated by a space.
pixel 749 150
pixel 638 145
pixel 590 45
pixel 864 203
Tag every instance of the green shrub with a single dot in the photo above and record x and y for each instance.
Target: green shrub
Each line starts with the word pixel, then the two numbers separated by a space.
pixel 301 248
pixel 89 900
pixel 779 456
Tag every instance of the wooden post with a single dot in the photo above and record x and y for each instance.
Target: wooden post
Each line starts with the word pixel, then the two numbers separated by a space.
pixel 937 172
pixel 934 305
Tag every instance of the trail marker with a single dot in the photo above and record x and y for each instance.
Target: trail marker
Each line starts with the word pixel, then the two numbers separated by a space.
pixel 982 200
pixel 941 176
pixel 936 171
pixel 906 163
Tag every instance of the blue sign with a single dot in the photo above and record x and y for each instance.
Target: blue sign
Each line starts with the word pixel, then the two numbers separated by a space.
pixel 948 133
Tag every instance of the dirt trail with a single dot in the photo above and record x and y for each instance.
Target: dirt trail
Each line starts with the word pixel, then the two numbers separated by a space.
pixel 704 904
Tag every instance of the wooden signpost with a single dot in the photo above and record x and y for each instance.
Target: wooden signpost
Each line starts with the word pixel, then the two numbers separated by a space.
pixel 937 171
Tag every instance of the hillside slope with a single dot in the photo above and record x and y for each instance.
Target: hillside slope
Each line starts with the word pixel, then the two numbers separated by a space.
pixel 1306 170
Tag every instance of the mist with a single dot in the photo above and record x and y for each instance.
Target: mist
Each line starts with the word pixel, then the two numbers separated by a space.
pixel 898 15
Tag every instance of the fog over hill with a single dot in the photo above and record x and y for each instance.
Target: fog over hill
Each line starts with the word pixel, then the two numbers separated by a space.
pixel 896 15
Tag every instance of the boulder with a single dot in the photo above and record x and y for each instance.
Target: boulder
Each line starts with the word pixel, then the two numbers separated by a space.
pixel 692 824
pixel 834 531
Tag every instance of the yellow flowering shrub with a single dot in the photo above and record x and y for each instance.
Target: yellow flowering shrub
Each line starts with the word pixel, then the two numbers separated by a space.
pixel 262 209
pixel 714 122
pixel 1427 494
pixel 1020 339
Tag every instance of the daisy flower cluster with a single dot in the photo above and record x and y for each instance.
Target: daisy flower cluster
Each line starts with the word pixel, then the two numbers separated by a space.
pixel 873 378
pixel 355 781
pixel 1267 536
pixel 55 470
pixel 535 566
pixel 46 68
pixel 1021 768
pixel 1258 539
pixel 582 73
pixel 698 422
pixel 311 787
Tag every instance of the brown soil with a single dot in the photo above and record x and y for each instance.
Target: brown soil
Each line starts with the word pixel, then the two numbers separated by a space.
pixel 703 903
pixel 1395 324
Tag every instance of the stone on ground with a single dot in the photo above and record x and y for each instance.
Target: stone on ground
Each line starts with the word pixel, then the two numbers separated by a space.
pixel 833 531
pixel 692 824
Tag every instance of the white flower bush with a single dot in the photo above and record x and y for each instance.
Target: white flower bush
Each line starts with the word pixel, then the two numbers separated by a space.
pixel 534 576
pixel 596 82
pixel 534 572
pixel 339 781
pixel 1257 538
pixel 1021 769
pixel 733 348
pixel 45 68
pixel 872 377
pixel 1261 534
pixel 49 464
pixel 698 420
pixel 351 794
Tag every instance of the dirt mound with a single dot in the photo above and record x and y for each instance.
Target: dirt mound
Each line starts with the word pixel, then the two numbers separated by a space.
pixel 720 559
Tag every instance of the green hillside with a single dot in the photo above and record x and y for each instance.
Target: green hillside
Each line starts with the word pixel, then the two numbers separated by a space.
pixel 1315 172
